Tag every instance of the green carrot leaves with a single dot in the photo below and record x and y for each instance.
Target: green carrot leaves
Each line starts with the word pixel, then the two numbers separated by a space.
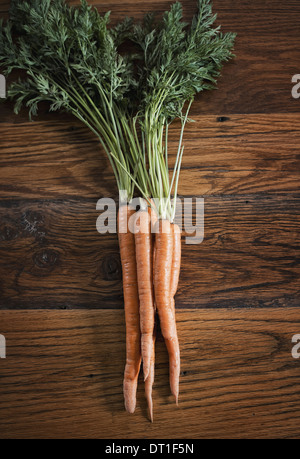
pixel 176 62
pixel 70 57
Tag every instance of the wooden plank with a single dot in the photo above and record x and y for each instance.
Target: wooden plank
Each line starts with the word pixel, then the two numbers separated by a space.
pixel 52 256
pixel 62 377
pixel 241 154
pixel 267 52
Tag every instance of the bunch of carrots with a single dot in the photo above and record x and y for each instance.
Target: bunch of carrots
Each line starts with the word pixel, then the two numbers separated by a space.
pixel 71 58
pixel 151 258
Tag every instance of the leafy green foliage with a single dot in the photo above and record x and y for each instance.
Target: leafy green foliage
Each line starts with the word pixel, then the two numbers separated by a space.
pixel 63 47
pixel 71 59
pixel 179 61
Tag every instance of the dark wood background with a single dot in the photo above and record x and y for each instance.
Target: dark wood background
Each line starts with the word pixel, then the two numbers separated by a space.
pixel 238 300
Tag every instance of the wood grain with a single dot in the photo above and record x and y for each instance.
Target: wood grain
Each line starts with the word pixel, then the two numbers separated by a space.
pixel 242 154
pixel 52 255
pixel 62 377
pixel 246 167
pixel 238 300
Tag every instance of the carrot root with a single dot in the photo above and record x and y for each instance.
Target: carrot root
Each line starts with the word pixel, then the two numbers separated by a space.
pixel 162 283
pixel 131 306
pixel 150 381
pixel 150 269
pixel 144 261
pixel 176 263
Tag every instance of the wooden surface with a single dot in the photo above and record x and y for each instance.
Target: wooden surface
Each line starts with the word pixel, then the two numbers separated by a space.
pixel 238 300
pixel 238 380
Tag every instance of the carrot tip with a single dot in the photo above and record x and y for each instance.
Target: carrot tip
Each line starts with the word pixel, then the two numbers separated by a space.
pixel 130 407
pixel 150 412
pixel 130 398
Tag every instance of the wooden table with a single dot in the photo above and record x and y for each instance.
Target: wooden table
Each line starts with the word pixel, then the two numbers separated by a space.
pixel 61 306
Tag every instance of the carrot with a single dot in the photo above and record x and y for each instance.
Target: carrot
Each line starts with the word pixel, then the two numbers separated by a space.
pixel 144 255
pixel 176 263
pixel 131 305
pixel 150 380
pixel 162 281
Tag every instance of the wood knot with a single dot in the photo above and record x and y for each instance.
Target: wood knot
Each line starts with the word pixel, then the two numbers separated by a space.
pixel 222 119
pixel 8 232
pixel 111 268
pixel 46 259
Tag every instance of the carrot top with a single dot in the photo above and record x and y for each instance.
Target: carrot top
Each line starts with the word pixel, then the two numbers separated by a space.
pixel 71 58
pixel 177 61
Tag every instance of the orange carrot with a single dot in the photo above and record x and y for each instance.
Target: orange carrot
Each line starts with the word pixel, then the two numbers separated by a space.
pixel 176 263
pixel 131 305
pixel 162 282
pixel 150 380
pixel 144 262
